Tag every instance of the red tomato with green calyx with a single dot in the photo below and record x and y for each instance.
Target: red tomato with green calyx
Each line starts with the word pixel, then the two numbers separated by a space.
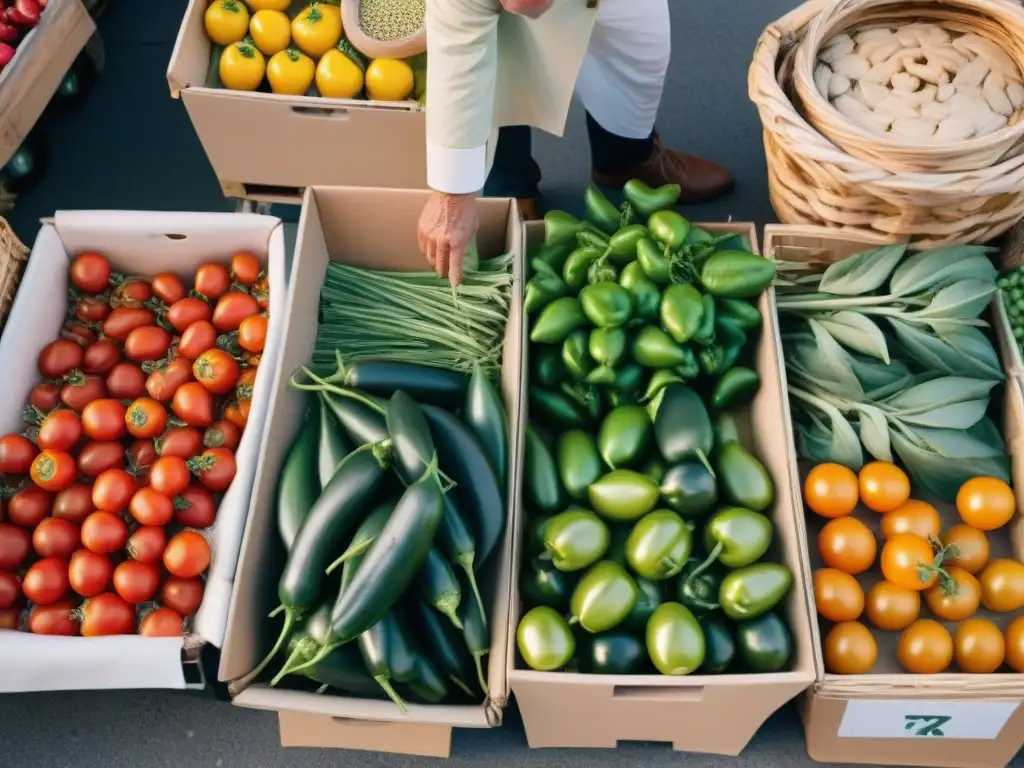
pixel 215 468
pixel 59 618
pixel 53 470
pixel 107 614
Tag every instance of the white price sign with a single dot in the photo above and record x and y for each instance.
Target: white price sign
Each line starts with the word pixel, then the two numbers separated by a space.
pixel 917 719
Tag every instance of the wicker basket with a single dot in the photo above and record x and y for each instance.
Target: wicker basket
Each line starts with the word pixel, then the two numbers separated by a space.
pixel 932 194
pixel 13 256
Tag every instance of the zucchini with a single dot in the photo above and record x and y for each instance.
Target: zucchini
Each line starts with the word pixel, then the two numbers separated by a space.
pixel 427 683
pixel 412 447
pixel 360 421
pixel 444 647
pixel 388 655
pixel 298 485
pixel 462 458
pixel 484 414
pixel 474 634
pixel 335 513
pixel 540 476
pixel 424 383
pixel 333 445
pixel 366 533
pixel 439 587
pixel 343 669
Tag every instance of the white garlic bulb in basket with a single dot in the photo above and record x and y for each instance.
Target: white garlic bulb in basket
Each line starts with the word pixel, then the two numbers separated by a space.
pixel 921 82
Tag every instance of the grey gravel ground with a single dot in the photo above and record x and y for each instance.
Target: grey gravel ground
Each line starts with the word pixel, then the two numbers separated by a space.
pixel 131 146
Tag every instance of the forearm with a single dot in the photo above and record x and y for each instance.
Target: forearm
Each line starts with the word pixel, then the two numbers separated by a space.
pixel 461 81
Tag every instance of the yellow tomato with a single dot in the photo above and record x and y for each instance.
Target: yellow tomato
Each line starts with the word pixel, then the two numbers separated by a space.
pixel 317 29
pixel 269 5
pixel 338 75
pixel 270 31
pixel 227 21
pixel 389 80
pixel 986 503
pixel 241 67
pixel 290 72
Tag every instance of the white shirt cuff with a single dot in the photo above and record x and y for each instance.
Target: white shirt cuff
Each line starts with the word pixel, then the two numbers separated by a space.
pixel 456 171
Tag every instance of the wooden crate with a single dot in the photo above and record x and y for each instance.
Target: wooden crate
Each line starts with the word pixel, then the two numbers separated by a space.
pixel 13 256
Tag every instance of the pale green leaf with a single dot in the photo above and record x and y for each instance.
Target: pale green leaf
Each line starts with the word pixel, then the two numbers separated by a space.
pixel 813 444
pixel 956 416
pixel 908 381
pixel 859 333
pixel 986 431
pixel 873 374
pixel 977 355
pixel 863 272
pixel 960 444
pixel 930 352
pixel 942 476
pixel 940 392
pixel 834 359
pixel 930 271
pixel 845 444
pixel 874 432
pixel 963 299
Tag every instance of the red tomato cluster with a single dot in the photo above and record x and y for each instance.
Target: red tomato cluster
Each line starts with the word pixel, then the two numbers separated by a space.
pixel 17 19
pixel 131 437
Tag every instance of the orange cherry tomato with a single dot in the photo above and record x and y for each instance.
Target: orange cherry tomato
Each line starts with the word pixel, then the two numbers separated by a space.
pixel 830 490
pixel 246 382
pixel 883 486
pixel 252 333
pixel 971 547
pixel 145 418
pixel 837 595
pixel 891 608
pixel 232 308
pixel 216 370
pixel 979 647
pixel 233 413
pixel 846 544
pixel 53 470
pixel 212 280
pixel 245 268
pixel 917 517
pixel 150 507
pixel 986 503
pixel 1002 585
pixel 962 603
pixel 850 649
pixel 1015 644
pixel 908 562
pixel 925 648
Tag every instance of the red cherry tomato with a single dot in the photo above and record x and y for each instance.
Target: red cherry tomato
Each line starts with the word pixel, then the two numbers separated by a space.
pixel 141 455
pixel 150 507
pixel 126 381
pixel 89 572
pixel 184 442
pixel 10 590
pixel 113 490
pixel 195 507
pixel 54 537
pixel 53 470
pixel 104 419
pixel 181 314
pixel 136 581
pixel 145 418
pixel 59 357
pixel 182 595
pixel 150 342
pixel 147 544
pixel 197 338
pixel 169 475
pixel 90 272
pixel 60 431
pixel 132 293
pixel 245 268
pixel 165 380
pixel 123 320
pixel 59 618
pixel 82 391
pixel 74 503
pixel 232 308
pixel 46 580
pixel 45 396
pixel 212 280
pixel 101 357
pixel 104 532
pixel 14 546
pixel 187 554
pixel 193 404
pixel 168 288
pixel 163 622
pixel 16 454
pixel 223 434
pixel 107 614
pixel 98 457
pixel 29 506
pixel 215 468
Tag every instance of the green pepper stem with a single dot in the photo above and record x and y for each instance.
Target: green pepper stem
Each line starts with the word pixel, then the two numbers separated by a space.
pixel 322 689
pixel 290 617
pixel 287 669
pixel 385 683
pixel 477 660
pixel 466 562
pixel 711 560
pixel 448 607
pixel 349 553
pixel 325 386
pixel 461 685
pixel 703 459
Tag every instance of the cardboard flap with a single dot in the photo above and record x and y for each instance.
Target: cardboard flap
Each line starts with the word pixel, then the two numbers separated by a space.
pixel 331 732
pixel 190 59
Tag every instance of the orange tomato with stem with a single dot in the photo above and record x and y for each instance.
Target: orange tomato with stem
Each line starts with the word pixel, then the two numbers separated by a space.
pixel 909 562
pixel 968 547
pixel 145 418
pixel 957 599
pixel 53 470
pixel 252 333
pixel 245 268
pixel 216 370
pixel 830 490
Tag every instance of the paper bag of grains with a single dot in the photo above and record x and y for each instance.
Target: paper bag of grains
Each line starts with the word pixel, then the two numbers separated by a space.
pixel 381 29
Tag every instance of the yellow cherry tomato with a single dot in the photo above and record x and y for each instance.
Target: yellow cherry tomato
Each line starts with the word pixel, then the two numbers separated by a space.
pixel 831 490
pixel 883 486
pixel 979 647
pixel 241 67
pixel 290 72
pixel 971 547
pixel 339 74
pixel 1002 585
pixel 925 648
pixel 1015 644
pixel 389 80
pixel 226 21
pixel 917 517
pixel 850 649
pixel 890 607
pixel 986 503
pixel 268 5
pixel 317 29
pixel 962 603
pixel 270 31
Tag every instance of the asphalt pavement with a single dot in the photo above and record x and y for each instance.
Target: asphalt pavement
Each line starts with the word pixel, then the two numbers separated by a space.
pixel 130 146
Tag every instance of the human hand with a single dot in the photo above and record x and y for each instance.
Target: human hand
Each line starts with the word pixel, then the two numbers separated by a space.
pixel 446 227
pixel 530 8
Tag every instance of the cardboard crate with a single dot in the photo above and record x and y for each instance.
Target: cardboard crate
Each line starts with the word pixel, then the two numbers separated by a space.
pixel 864 718
pixel 716 714
pixel 373 228
pixel 269 147
pixel 143 244
pixel 28 83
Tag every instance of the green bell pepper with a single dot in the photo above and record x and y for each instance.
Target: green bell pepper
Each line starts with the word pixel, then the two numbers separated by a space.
pixel 535 535
pixel 698 589
pixel 625 436
pixel 743 478
pixel 628 378
pixel 623 495
pixel 711 360
pixel 736 387
pixel 545 640
pixel 603 598
pixel 587 397
pixel 576 270
pixel 607 346
pixel 743 312
pixel 579 463
pixel 646 201
pixel 622 245
pixel 552 256
pixel 543 584
pixel 689 369
pixel 737 537
pixel 600 210
pixel 649 597
pixel 705 333
pixel 576 354
pixel 557 320
pixel 654 260
pixel 557 407
pixel 720 646
pixel 750 592
pixel 548 369
pixel 561 227
pixel 764 643
pixel 591 237
pixel 653 348
pixel 675 641
pixel 541 290
pixel 614 653
pixel 669 228
pixel 659 380
pixel 735 274
pixel 575 539
pixel 606 305
pixel 689 489
pixel 645 292
pixel 681 311
pixel 541 485
pixel 659 545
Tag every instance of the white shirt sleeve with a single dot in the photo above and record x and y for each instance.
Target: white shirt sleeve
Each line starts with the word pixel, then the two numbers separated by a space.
pixel 456 171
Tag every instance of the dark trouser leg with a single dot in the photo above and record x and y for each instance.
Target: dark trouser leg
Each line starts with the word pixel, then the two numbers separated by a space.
pixel 515 173
pixel 611 154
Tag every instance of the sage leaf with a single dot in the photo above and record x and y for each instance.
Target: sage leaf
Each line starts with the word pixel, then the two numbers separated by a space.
pixel 859 333
pixel 863 272
pixel 908 381
pixel 940 475
pixel 986 431
pixel 873 375
pixel 977 355
pixel 874 432
pixel 956 416
pixel 834 359
pixel 965 299
pixel 813 444
pixel 931 352
pixel 930 271
pixel 940 392
pixel 845 444
pixel 961 444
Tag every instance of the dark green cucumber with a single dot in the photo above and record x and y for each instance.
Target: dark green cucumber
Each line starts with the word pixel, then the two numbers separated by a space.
pixel 335 514
pixel 474 634
pixel 439 587
pixel 424 383
pixel 444 646
pixel 388 654
pixel 456 541
pixel 343 669
pixel 298 485
pixel 366 533
pixel 484 414
pixel 411 444
pixel 462 458
pixel 361 422
pixel 333 445
pixel 427 684
pixel 541 483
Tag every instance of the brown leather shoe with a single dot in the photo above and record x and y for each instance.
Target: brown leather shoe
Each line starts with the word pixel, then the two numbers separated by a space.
pixel 529 209
pixel 700 179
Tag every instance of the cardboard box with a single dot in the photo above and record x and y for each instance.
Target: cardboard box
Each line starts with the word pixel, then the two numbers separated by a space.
pixel 716 714
pixel 373 228
pixel 28 83
pixel 143 244
pixel 888 717
pixel 268 147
